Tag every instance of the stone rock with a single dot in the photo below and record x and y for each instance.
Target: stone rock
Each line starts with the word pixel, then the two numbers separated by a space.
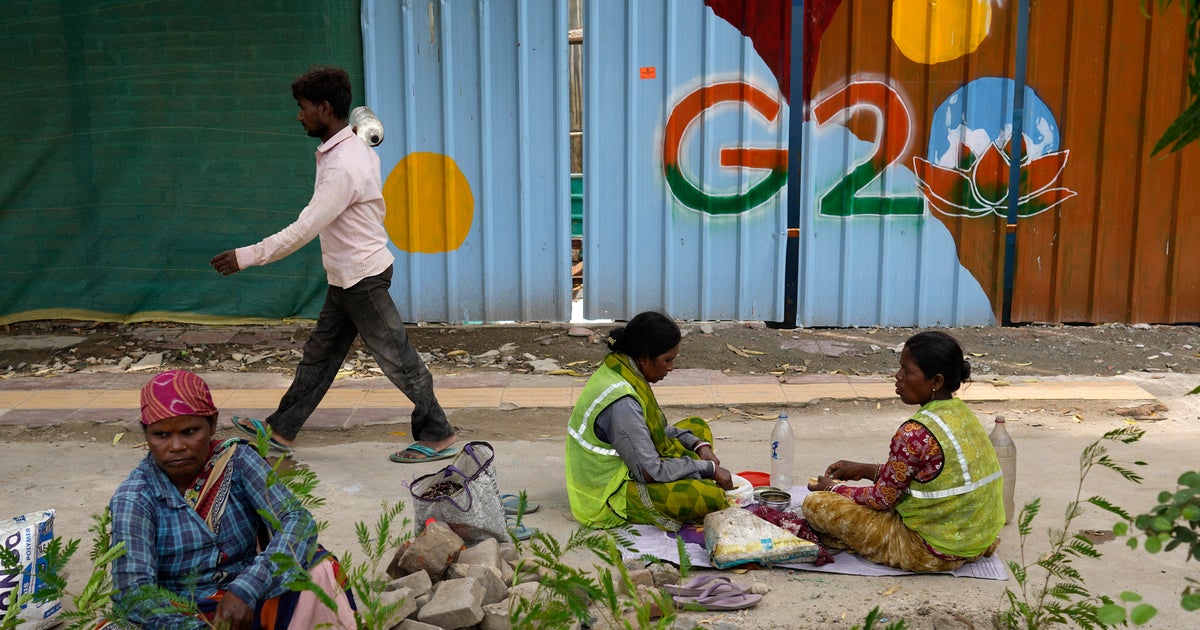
pixel 758 588
pixel 663 573
pixel 455 604
pixel 148 362
pixel 526 590
pixel 419 583
pixel 424 599
pixel 542 366
pixel 579 331
pixel 413 624
pixel 485 553
pixel 432 551
pixel 494 588
pixel 706 329
pixel 456 571
pixel 495 616
pixel 404 595
pixel 40 342
pixel 641 577
pixel 508 551
pixel 508 348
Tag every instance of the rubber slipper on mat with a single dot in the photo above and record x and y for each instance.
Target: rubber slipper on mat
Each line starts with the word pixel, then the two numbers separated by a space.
pixel 427 454
pixel 256 428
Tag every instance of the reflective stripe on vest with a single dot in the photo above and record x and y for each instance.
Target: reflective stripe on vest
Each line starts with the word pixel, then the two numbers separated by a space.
pixel 577 432
pixel 968 485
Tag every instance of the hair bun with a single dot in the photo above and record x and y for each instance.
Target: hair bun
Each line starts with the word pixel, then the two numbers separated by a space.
pixel 614 338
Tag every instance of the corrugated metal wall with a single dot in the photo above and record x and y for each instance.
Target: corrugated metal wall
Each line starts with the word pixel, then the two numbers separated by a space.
pixel 685 136
pixel 1127 247
pixel 1101 231
pixel 473 97
pixel 897 92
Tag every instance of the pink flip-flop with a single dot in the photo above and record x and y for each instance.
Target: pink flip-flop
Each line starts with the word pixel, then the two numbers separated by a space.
pixel 696 586
pixel 719 596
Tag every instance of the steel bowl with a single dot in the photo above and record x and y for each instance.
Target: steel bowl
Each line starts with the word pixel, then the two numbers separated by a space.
pixel 775 499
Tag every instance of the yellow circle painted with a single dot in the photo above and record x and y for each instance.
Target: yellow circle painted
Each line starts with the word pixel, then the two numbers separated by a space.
pixel 931 31
pixel 430 207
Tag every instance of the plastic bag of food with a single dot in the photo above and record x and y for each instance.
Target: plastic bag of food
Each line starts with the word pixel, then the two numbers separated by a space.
pixel 27 537
pixel 734 536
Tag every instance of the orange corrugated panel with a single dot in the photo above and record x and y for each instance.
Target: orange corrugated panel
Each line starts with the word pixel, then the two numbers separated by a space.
pixel 1158 181
pixel 1121 248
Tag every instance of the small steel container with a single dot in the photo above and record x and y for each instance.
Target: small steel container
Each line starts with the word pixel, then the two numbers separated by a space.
pixel 774 498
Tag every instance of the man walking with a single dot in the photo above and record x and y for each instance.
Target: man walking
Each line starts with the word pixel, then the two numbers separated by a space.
pixel 346 211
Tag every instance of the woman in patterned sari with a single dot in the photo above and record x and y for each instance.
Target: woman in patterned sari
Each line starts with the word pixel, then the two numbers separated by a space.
pixel 189 516
pixel 936 503
pixel 625 464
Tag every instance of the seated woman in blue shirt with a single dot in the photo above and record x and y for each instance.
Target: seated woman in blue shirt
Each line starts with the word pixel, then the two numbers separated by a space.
pixel 189 516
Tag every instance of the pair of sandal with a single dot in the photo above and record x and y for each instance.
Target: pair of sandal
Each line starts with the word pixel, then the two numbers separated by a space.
pixel 712 592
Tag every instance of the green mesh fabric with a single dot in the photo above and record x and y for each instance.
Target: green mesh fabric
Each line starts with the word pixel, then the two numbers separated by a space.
pixel 142 138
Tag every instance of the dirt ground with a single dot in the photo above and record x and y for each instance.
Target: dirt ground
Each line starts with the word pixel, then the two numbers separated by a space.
pixel 76 467
pixel 1037 350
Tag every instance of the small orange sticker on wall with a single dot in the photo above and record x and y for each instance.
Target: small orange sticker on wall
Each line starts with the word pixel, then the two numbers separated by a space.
pixel 648 72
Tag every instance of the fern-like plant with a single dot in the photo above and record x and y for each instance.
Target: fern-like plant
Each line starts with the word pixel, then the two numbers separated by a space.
pixel 566 594
pixel 1050 588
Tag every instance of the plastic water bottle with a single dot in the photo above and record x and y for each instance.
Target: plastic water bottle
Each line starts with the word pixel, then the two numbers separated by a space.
pixel 366 125
pixel 1006 452
pixel 783 452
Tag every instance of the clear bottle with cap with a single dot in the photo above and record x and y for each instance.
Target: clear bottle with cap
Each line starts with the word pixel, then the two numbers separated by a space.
pixel 783 453
pixel 1006 452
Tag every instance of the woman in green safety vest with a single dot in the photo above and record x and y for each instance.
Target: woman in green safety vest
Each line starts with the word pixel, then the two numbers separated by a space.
pixel 625 464
pixel 937 502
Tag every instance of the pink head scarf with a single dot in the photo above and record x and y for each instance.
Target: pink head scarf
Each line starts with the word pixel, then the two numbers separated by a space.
pixel 176 393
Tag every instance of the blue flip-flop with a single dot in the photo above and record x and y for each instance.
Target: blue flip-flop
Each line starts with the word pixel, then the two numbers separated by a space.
pixel 512 502
pixel 260 428
pixel 428 454
pixel 521 532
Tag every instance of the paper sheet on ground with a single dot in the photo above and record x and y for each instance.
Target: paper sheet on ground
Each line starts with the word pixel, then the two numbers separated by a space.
pixel 654 542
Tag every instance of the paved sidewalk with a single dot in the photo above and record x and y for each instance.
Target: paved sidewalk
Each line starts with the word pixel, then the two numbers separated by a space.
pixel 113 397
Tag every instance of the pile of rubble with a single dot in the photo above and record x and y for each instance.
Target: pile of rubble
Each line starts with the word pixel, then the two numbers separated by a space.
pixel 440 583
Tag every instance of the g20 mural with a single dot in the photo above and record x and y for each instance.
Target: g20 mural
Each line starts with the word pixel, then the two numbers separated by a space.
pixel 953 165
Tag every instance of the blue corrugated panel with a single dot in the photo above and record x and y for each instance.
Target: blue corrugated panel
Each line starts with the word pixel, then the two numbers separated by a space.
pixel 473 98
pixel 685 162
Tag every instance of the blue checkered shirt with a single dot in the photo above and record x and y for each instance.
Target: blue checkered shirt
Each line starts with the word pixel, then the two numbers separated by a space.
pixel 168 544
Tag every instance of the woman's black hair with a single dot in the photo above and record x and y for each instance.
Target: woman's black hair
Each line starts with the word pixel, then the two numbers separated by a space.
pixel 325 83
pixel 938 353
pixel 648 335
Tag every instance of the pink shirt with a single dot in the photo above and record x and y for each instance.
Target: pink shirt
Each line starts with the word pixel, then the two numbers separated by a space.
pixel 346 211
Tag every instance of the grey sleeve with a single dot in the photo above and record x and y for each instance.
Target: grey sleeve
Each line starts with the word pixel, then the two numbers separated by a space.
pixel 687 438
pixel 623 425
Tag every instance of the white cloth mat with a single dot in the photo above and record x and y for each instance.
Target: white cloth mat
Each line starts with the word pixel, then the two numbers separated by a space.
pixel 649 540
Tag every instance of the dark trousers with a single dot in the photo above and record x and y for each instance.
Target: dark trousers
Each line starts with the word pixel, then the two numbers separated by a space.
pixel 364 309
